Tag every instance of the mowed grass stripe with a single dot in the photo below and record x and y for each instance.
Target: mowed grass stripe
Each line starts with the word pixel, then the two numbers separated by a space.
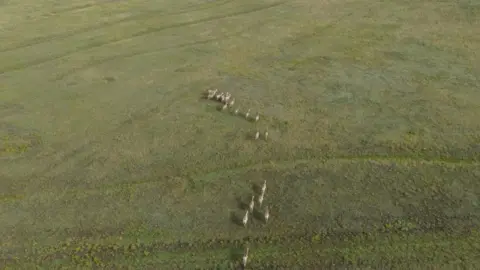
pixel 395 250
pixel 358 197
pixel 370 109
pixel 171 46
pixel 150 29
pixel 114 22
pixel 273 165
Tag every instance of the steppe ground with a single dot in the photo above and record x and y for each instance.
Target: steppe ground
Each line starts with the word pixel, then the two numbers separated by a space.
pixel 111 159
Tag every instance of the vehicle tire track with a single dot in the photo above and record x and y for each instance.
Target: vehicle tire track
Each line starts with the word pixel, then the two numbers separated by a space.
pixel 73 8
pixel 142 15
pixel 129 55
pixel 151 30
pixel 143 52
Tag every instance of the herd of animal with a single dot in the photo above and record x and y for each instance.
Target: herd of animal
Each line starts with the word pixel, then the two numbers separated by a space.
pixel 228 102
pixel 251 207
pixel 256 200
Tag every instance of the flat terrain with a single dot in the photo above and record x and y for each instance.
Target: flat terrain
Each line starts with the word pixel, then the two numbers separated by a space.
pixel 110 158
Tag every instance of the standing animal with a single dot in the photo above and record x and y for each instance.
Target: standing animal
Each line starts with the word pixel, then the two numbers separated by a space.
pixel 266 214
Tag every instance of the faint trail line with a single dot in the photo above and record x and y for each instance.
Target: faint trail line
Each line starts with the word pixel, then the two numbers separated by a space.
pixel 73 8
pixel 282 164
pixel 132 54
pixel 152 30
pixel 405 159
pixel 330 240
pixel 143 52
pixel 143 15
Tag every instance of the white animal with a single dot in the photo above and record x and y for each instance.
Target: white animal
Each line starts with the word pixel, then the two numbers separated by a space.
pixel 245 258
pixel 224 107
pixel 252 204
pixel 236 111
pixel 212 93
pixel 266 135
pixel 227 97
pixel 267 214
pixel 264 187
pixel 245 219
pixel 257 135
pixel 247 114
pixel 260 199
pixel 232 102
pixel 257 117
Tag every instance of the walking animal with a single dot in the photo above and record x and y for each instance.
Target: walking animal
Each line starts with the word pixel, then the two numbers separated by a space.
pixel 245 258
pixel 245 219
pixel 264 187
pixel 227 97
pixel 260 199
pixel 252 204
pixel 266 214
pixel 212 93
pixel 247 114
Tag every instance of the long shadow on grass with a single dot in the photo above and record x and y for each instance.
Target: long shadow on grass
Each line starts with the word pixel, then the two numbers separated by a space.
pixel 256 188
pixel 235 219
pixel 236 255
pixel 258 215
pixel 241 204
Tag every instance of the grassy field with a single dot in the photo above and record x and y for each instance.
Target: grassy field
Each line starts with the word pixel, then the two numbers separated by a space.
pixel 110 158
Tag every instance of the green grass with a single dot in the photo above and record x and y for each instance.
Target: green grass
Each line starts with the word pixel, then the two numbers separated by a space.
pixel 395 250
pixel 109 156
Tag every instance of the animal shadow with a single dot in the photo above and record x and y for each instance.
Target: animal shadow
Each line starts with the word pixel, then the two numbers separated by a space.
pixel 220 108
pixel 258 215
pixel 109 79
pixel 235 219
pixel 236 254
pixel 250 136
pixel 241 204
pixel 256 188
